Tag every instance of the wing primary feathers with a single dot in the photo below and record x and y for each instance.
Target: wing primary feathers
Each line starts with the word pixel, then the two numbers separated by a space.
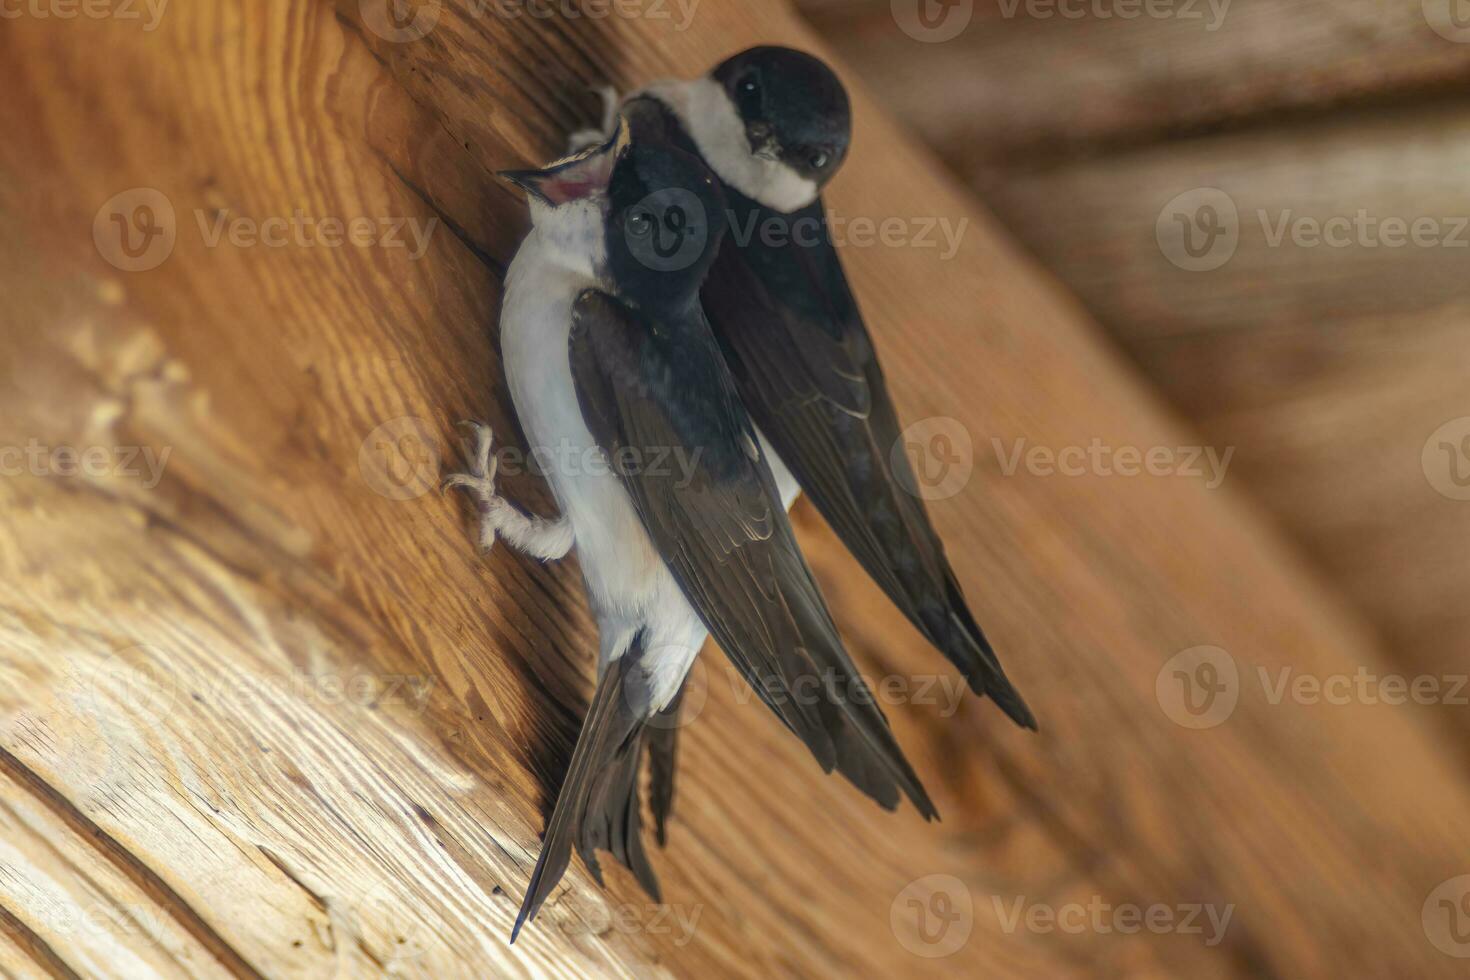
pixel 598 803
pixel 725 538
pixel 806 369
pixel 663 751
pixel 794 339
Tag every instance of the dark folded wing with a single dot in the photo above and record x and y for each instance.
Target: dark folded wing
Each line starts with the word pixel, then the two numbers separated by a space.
pixel 804 364
pixel 597 807
pixel 653 390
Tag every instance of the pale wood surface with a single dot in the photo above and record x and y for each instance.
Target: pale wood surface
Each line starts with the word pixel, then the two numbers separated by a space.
pixel 174 744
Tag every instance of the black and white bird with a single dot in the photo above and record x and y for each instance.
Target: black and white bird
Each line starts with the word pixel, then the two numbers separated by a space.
pixel 775 125
pixel 608 353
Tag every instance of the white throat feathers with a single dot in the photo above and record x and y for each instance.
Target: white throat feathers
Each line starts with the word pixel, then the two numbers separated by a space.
pixel 713 123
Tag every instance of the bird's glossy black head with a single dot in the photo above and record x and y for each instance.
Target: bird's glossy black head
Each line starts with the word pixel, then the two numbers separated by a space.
pixel 666 216
pixel 793 106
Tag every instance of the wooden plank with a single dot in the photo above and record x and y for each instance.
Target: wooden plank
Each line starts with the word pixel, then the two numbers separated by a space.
pixel 1026 82
pixel 75 912
pixel 321 732
pixel 1327 366
pixel 1323 224
pixel 1330 425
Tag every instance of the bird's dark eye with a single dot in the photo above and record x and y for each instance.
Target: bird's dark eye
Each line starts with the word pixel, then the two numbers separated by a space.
pixel 818 159
pixel 749 85
pixel 640 223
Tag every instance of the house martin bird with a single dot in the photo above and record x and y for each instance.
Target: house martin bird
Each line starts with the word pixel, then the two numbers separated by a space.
pixel 775 125
pixel 608 353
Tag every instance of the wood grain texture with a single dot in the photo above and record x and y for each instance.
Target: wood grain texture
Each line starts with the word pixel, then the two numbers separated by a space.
pixel 1325 354
pixel 289 725
pixel 1325 368
pixel 1330 424
pixel 1027 82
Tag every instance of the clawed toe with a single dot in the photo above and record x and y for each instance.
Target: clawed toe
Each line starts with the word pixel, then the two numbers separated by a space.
pixel 480 480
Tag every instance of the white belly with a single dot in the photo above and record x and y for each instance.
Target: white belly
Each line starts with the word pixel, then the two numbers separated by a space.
pixel 622 570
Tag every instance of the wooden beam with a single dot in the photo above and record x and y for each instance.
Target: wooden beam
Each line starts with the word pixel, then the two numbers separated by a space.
pixel 1028 82
pixel 281 680
pixel 1325 347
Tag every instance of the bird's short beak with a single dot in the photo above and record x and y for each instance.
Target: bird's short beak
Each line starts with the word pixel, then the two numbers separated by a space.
pixel 575 177
pixel 527 180
pixel 763 142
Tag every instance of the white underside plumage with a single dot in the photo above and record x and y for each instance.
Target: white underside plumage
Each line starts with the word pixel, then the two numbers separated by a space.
pixel 628 585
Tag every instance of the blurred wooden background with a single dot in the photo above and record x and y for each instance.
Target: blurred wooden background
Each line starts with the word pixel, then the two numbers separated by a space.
pixel 1327 366
pixel 269 714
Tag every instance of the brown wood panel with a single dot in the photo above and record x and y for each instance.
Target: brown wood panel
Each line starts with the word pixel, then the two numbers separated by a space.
pixel 1028 81
pixel 1327 347
pixel 304 719
pixel 1318 223
pixel 1330 425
